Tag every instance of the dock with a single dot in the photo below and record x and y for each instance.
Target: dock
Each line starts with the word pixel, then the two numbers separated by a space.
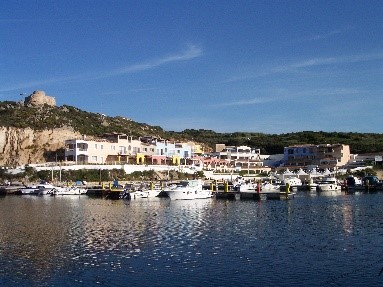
pixel 107 193
pixel 266 195
pixel 231 195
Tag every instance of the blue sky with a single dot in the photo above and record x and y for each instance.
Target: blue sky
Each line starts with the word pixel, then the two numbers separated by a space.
pixel 257 66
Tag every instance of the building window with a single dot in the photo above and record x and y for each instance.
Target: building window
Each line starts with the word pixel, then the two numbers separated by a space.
pixel 101 146
pixel 94 158
pixel 95 146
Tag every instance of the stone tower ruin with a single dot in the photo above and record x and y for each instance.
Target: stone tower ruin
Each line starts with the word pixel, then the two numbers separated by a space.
pixel 38 98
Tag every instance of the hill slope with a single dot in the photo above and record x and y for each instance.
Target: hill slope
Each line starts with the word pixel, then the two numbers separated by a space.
pixel 44 117
pixel 36 133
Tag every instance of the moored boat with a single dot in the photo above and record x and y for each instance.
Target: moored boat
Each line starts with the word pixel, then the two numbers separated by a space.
pixel 39 189
pixel 188 189
pixel 70 190
pixel 145 193
pixel 328 184
pixel 293 182
pixel 270 187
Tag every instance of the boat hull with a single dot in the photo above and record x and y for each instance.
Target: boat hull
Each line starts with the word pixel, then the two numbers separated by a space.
pixel 192 189
pixel 328 187
pixel 69 191
pixel 177 194
pixel 145 194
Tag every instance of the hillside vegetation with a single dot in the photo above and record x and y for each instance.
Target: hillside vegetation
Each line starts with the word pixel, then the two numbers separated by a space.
pixel 46 117
pixel 274 143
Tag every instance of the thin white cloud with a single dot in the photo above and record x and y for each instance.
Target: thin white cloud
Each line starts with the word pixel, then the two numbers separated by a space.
pixel 323 36
pixel 309 63
pixel 337 60
pixel 190 53
pixel 329 34
pixel 246 102
pixel 136 90
pixel 279 95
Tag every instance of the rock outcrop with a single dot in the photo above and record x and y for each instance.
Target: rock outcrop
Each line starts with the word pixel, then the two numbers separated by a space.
pixel 38 98
pixel 24 146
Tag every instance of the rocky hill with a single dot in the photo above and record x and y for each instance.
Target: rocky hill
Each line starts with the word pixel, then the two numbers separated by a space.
pixel 35 130
pixel 21 146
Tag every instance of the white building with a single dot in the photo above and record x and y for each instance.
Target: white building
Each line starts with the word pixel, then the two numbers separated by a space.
pixel 120 148
pixel 241 157
pixel 112 147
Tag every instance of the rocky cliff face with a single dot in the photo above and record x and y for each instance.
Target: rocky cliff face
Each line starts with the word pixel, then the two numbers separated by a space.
pixel 23 146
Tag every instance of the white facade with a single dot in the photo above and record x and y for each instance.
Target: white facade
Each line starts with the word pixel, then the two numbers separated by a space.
pixel 169 149
pixel 84 151
pixel 241 156
pixel 118 148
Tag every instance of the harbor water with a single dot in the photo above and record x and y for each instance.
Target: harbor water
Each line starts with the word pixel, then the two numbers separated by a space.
pixel 311 240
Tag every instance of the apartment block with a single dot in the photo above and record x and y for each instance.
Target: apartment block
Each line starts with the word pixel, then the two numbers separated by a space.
pixel 116 147
pixel 322 155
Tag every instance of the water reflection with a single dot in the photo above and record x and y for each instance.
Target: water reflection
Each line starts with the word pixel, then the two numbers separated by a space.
pixel 30 241
pixel 48 241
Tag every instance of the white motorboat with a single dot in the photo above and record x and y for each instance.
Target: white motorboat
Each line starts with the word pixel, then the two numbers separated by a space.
pixel 328 184
pixel 188 189
pixel 312 186
pixel 39 189
pixel 262 187
pixel 294 182
pixel 145 193
pixel 264 190
pixel 248 187
pixel 70 190
pixel 270 187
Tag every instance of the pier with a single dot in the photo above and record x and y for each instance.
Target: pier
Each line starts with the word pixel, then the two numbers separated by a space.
pixel 263 195
pixel 226 191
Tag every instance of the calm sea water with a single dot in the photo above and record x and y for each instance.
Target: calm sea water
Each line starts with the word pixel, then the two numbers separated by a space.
pixel 79 241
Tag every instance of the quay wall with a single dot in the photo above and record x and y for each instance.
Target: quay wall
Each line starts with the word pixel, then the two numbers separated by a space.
pixel 132 168
pixel 126 167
